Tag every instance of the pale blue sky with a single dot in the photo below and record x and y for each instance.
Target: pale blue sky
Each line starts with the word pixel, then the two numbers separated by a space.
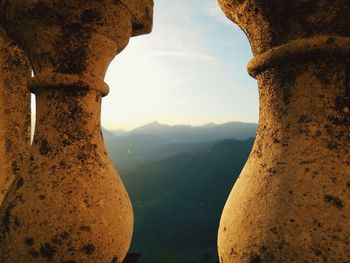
pixel 190 70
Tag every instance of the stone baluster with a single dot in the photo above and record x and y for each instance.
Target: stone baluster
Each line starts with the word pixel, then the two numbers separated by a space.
pixel 291 202
pixel 69 205
pixel 14 111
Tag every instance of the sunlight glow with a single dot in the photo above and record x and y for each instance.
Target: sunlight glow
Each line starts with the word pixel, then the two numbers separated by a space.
pixel 190 70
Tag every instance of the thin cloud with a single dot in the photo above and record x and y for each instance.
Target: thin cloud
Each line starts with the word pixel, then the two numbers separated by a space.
pixel 189 55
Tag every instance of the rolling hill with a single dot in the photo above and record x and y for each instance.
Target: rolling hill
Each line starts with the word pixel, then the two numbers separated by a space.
pixel 178 201
pixel 155 141
pixel 179 178
pixel 190 134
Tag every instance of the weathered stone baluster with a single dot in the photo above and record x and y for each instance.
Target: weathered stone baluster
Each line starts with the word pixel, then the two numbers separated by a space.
pixel 14 111
pixel 69 205
pixel 292 200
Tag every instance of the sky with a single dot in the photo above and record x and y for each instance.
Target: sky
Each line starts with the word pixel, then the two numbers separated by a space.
pixel 190 70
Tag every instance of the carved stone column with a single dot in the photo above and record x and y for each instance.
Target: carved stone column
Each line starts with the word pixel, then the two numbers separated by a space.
pixel 69 205
pixel 292 201
pixel 14 111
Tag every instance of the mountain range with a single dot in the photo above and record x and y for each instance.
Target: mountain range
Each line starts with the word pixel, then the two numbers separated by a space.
pixel 155 141
pixel 179 178
pixel 188 133
pixel 178 201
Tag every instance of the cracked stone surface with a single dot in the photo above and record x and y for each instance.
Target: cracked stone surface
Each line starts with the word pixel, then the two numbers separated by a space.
pixel 291 202
pixel 14 111
pixel 69 204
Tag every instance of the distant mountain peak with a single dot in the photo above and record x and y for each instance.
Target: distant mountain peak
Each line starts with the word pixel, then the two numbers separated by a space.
pixel 210 124
pixel 152 125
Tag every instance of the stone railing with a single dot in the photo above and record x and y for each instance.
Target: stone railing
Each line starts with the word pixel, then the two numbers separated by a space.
pixel 291 202
pixel 67 203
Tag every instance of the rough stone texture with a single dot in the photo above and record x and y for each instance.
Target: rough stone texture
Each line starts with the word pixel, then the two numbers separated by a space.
pixel 69 204
pixel 292 201
pixel 74 41
pixel 271 23
pixel 14 111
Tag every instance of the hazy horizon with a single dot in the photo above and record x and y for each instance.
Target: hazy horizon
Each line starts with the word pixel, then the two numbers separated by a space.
pixel 176 124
